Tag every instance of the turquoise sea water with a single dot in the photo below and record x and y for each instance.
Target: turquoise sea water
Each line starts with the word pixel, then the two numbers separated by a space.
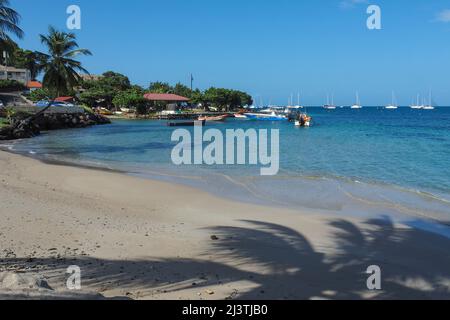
pixel 369 161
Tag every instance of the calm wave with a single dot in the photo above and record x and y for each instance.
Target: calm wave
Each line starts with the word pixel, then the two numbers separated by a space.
pixel 357 161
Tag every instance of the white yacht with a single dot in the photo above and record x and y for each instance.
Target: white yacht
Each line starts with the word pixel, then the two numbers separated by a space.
pixel 393 105
pixel 417 106
pixel 298 106
pixel 329 106
pixel 357 105
pixel 429 106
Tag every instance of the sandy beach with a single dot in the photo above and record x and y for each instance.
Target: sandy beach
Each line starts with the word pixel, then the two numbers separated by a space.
pixel 143 239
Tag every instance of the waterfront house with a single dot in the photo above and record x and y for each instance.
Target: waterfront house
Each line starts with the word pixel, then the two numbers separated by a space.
pixel 17 74
pixel 34 85
pixel 170 102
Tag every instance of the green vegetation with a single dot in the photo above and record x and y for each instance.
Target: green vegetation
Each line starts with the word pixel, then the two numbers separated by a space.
pixel 103 91
pixel 11 85
pixel 9 22
pixel 27 59
pixel 3 122
pixel 160 87
pixel 131 98
pixel 39 94
pixel 59 65
pixel 114 91
pixel 226 99
pixel 8 113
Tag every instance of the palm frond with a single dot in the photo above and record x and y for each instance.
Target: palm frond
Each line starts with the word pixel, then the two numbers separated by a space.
pixel 9 20
pixel 74 53
pixel 60 67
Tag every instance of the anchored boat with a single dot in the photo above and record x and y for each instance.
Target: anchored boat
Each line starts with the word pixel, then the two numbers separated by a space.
pixel 329 106
pixel 303 120
pixel 357 105
pixel 216 118
pixel 393 105
pixel 266 116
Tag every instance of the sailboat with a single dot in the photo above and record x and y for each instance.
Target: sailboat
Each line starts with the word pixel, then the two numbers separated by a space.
pixel 329 106
pixel 358 103
pixel 298 106
pixel 290 101
pixel 293 109
pixel 393 105
pixel 417 106
pixel 429 106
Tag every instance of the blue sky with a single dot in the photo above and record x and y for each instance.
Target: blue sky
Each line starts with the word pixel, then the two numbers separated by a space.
pixel 267 48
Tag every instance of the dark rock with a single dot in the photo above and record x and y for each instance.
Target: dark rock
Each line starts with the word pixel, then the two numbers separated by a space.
pixel 23 126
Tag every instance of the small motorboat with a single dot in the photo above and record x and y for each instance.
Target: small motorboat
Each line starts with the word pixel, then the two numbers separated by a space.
pixel 105 112
pixel 240 116
pixel 216 118
pixel 266 116
pixel 303 121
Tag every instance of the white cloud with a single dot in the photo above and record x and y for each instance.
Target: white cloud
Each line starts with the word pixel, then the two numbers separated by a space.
pixel 351 3
pixel 443 16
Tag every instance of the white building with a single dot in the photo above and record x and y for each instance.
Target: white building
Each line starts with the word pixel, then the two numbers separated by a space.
pixel 11 73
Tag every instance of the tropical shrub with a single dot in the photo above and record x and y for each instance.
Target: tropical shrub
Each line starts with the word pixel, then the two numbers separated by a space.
pixel 11 85
pixel 39 94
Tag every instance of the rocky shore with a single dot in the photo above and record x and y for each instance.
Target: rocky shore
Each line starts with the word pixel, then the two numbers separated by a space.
pixel 22 127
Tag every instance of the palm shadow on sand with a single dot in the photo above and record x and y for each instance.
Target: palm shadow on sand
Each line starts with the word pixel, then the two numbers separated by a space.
pixel 415 265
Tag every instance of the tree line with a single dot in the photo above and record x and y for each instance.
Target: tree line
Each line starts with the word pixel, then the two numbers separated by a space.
pixel 61 74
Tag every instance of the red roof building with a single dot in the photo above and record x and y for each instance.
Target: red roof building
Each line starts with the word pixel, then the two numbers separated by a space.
pixel 165 97
pixel 34 85
pixel 64 99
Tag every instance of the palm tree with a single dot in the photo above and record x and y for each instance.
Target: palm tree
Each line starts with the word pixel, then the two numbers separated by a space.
pixel 27 59
pixel 9 20
pixel 59 66
pixel 33 62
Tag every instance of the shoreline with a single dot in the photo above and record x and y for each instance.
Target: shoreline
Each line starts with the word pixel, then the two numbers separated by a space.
pixel 428 222
pixel 145 239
